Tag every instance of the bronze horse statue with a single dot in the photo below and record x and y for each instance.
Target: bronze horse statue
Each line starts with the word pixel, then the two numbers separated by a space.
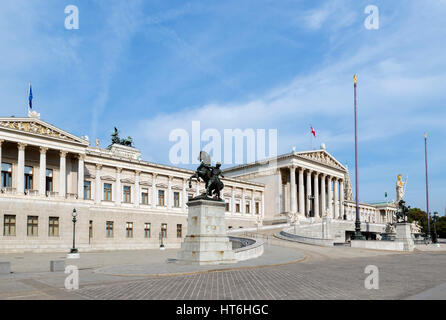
pixel 210 176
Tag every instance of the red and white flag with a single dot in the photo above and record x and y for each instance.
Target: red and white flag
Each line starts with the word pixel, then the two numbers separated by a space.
pixel 313 132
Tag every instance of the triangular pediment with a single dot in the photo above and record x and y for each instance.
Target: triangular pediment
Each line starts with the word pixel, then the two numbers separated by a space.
pixel 322 156
pixel 39 127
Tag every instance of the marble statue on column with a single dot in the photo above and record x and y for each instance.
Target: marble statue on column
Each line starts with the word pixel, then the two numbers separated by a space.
pixel 400 189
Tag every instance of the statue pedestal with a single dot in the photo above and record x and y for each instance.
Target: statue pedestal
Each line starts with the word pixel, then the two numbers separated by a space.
pixel 404 235
pixel 206 241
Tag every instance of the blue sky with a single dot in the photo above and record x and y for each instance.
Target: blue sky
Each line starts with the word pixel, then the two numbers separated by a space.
pixel 149 67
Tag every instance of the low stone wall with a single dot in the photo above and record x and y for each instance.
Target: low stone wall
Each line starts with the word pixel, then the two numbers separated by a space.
pixel 250 248
pixel 308 240
pixel 378 245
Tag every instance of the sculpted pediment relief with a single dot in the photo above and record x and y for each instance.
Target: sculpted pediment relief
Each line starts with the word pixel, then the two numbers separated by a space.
pixel 39 127
pixel 322 157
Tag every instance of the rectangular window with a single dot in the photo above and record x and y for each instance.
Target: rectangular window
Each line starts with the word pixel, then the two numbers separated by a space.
pixel 145 196
pixel 9 226
pixel 237 207
pixel 49 180
pixel 109 229
pixel 161 198
pixel 248 207
pixel 129 230
pixel 147 230
pixel 6 175
pixel 107 192
pixel 164 230
pixel 257 207
pixel 127 192
pixel 28 178
pixel 176 199
pixel 190 196
pixel 179 231
pixel 33 224
pixel 227 205
pixel 53 230
pixel 87 190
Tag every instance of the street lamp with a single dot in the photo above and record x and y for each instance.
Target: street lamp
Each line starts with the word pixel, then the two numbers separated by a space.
pixel 161 241
pixel 74 214
pixel 435 220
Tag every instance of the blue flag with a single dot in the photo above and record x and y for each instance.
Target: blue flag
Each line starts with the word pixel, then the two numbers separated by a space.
pixel 30 98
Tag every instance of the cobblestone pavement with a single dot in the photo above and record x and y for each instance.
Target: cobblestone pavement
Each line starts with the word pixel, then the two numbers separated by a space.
pixel 326 273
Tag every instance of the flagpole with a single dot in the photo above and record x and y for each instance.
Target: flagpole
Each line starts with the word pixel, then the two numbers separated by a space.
pixel 357 235
pixel 427 188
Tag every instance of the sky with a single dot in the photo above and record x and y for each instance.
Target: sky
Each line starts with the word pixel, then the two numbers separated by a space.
pixel 149 67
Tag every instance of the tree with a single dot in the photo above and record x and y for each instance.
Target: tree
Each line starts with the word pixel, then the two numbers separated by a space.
pixel 416 214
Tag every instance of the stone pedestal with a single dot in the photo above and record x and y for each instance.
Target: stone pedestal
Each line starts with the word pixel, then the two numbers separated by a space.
pixel 206 241
pixel 404 235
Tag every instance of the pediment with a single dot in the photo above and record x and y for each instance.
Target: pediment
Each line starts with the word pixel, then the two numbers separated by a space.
pixel 108 178
pixel 323 157
pixel 38 127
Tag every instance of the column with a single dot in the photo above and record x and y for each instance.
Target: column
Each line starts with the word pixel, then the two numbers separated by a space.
pixel 308 206
pixel 154 195
pixel 42 171
pixel 63 174
pixel 330 197
pixel 21 168
pixel 169 192
pixel 336 198
pixel 98 197
pixel 262 213
pixel 293 189
pixel 323 196
pixel 1 141
pixel 341 199
pixel 118 187
pixel 233 200
pixel 80 176
pixel 185 197
pixel 137 194
pixel 316 195
pixel 243 202
pixel 301 192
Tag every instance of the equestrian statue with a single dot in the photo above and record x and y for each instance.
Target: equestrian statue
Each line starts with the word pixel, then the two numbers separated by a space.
pixel 210 176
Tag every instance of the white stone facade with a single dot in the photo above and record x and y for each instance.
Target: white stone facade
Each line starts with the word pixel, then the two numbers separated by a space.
pixel 122 201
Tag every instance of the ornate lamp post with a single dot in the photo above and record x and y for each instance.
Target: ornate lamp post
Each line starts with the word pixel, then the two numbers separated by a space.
pixel 435 220
pixel 74 249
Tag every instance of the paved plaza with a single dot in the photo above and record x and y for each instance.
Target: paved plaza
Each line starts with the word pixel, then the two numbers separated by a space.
pixel 285 271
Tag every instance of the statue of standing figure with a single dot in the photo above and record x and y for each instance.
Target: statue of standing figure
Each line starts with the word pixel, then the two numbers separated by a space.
pixel 210 175
pixel 400 189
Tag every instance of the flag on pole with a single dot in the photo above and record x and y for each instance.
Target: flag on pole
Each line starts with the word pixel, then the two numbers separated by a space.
pixel 313 132
pixel 30 97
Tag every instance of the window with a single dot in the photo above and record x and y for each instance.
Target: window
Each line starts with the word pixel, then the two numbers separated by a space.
pixel 145 196
pixel 257 207
pixel 164 230
pixel 49 180
pixel 33 224
pixel 127 198
pixel 9 226
pixel 28 178
pixel 227 205
pixel 147 228
pixel 179 230
pixel 87 190
pixel 6 175
pixel 248 207
pixel 129 230
pixel 237 207
pixel 176 199
pixel 109 229
pixel 53 230
pixel 190 196
pixel 161 198
pixel 107 192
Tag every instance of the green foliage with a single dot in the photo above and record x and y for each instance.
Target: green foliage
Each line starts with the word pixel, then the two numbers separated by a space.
pixel 416 214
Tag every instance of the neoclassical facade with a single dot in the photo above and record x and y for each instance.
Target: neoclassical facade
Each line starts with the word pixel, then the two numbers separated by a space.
pixel 122 201
pixel 308 185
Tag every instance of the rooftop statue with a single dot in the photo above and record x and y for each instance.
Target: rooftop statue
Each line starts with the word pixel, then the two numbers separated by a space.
pixel 116 140
pixel 210 175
